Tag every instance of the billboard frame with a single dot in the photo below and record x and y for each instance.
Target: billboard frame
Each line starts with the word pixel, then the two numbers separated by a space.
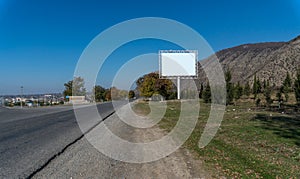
pixel 176 76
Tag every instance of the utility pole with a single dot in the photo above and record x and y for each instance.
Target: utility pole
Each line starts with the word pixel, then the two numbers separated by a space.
pixel 21 97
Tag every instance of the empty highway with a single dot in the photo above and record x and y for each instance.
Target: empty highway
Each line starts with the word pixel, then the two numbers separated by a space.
pixel 29 138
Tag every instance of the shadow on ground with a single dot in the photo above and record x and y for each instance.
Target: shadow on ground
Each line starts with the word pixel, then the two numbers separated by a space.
pixel 283 126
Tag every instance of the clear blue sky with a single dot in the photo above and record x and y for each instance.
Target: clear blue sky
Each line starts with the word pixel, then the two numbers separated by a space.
pixel 41 41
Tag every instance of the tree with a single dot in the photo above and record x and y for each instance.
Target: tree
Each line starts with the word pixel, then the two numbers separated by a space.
pixel 267 93
pixel 229 88
pixel 287 81
pixel 68 88
pixel 264 84
pixel 131 94
pixel 279 96
pixel 146 84
pixel 256 86
pixel 201 90
pixel 207 94
pixel 297 87
pixel 107 95
pixel 285 91
pixel 247 89
pixel 238 91
pixel 286 86
pixel 99 93
pixel 115 93
pixel 78 88
pixel 151 84
pixel 75 87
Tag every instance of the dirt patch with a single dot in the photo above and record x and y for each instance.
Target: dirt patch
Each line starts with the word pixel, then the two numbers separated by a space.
pixel 180 164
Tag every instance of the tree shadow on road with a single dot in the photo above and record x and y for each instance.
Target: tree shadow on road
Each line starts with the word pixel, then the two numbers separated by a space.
pixel 283 126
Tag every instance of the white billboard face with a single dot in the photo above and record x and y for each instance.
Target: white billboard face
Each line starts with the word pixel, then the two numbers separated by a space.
pixel 178 64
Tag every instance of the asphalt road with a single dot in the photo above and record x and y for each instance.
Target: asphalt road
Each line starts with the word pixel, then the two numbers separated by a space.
pixel 29 138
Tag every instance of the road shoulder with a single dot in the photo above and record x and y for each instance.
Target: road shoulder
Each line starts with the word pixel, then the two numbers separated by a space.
pixel 82 160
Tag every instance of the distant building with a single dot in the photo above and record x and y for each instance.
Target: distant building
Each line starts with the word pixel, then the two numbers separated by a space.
pixel 76 99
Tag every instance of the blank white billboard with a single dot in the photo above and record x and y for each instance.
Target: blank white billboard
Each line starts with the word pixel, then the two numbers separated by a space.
pixel 178 64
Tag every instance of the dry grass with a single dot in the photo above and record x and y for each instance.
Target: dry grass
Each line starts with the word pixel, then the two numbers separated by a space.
pixel 249 144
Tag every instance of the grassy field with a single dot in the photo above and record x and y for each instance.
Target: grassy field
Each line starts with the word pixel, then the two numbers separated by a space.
pixel 249 144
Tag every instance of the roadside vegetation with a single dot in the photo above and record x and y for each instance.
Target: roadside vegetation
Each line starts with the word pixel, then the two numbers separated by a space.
pixel 249 143
pixel 260 133
pixel 76 87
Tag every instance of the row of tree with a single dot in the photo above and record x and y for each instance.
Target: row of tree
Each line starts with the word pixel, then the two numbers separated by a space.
pixel 236 91
pixel 101 94
pixel 151 85
pixel 76 87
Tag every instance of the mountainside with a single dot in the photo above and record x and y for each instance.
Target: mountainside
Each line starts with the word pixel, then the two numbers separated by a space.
pixel 269 61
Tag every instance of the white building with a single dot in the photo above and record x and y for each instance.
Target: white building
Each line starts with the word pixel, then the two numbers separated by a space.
pixel 76 99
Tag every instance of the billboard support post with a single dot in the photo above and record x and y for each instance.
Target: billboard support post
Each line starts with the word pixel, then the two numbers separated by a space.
pixel 178 87
pixel 178 64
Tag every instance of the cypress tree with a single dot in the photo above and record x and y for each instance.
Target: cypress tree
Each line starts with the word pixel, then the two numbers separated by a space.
pixel 254 88
pixel 287 83
pixel 297 87
pixel 229 88
pixel 238 91
pixel 267 93
pixel 264 84
pixel 201 90
pixel 258 86
pixel 207 94
pixel 247 89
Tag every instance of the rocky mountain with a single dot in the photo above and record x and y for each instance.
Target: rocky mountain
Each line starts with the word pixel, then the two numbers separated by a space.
pixel 269 61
